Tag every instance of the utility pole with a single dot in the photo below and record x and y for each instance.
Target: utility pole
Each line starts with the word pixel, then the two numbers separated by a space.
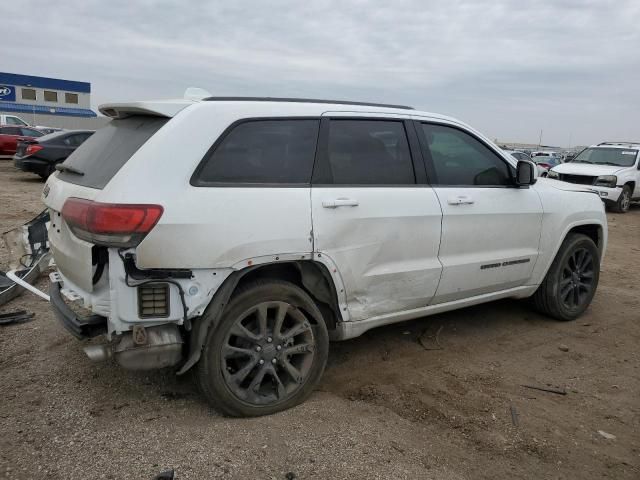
pixel 540 140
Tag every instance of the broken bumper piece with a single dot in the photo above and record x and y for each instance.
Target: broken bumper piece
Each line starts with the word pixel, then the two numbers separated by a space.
pixel 79 326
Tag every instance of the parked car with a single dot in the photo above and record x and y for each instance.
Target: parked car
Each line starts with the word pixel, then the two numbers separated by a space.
pixel 11 135
pixel 237 236
pixel 12 120
pixel 545 154
pixel 41 155
pixel 610 168
pixel 543 163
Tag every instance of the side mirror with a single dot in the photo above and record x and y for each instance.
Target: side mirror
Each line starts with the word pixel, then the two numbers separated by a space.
pixel 526 173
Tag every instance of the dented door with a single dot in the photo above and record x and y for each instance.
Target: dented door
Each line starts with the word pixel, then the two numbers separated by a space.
pixel 371 217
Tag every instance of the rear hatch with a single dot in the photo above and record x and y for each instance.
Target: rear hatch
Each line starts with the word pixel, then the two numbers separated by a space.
pixel 83 175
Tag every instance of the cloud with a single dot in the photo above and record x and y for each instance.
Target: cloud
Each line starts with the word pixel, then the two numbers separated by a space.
pixel 570 68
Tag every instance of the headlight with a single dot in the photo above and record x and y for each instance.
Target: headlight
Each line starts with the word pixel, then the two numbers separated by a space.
pixel 606 181
pixel 552 174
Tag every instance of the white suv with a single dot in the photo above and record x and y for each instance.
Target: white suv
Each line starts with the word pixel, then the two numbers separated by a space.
pixel 610 168
pixel 238 235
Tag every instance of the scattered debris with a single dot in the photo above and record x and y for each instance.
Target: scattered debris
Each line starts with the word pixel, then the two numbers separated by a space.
pixel 514 416
pixel 28 247
pixel 424 340
pixel 20 316
pixel 166 475
pixel 563 348
pixel 608 436
pixel 397 447
pixel 559 391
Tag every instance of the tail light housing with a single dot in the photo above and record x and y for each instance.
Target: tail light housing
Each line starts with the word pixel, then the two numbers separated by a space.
pixel 544 165
pixel 31 149
pixel 110 224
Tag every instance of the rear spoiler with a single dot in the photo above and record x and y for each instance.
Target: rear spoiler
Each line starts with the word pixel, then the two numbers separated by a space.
pixel 162 108
pixel 154 108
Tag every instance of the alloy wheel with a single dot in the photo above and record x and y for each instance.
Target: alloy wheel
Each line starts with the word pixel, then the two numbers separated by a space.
pixel 577 279
pixel 268 353
pixel 625 202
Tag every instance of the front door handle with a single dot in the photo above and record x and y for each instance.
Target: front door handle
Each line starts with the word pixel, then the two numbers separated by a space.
pixel 460 200
pixel 340 202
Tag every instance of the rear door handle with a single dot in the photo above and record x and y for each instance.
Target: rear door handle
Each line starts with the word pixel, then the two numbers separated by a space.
pixel 460 200
pixel 340 202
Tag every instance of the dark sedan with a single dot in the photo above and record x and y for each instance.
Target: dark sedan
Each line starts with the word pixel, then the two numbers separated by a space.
pixel 41 155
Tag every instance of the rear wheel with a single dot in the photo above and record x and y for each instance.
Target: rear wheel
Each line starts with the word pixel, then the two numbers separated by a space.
pixel 572 279
pixel 624 200
pixel 267 353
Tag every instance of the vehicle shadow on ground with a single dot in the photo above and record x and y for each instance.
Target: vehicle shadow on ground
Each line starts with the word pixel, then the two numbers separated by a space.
pixel 454 333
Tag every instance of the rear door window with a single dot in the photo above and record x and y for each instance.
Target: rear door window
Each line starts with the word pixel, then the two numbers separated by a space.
pixel 368 152
pixel 262 152
pixel 108 149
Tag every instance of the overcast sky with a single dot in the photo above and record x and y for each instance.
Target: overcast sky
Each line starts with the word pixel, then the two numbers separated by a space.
pixel 508 67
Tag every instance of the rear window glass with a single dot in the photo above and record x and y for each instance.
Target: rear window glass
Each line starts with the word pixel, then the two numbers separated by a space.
pixel 107 150
pixel 263 151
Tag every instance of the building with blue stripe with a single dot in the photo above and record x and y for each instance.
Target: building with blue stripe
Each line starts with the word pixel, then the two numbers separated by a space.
pixel 46 101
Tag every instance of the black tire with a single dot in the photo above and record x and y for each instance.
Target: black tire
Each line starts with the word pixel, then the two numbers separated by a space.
pixel 624 201
pixel 50 170
pixel 290 368
pixel 557 296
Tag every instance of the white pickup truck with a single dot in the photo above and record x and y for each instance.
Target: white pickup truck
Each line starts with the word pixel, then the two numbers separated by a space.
pixel 238 235
pixel 610 168
pixel 12 120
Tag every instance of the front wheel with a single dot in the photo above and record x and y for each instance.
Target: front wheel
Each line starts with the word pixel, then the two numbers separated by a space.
pixel 571 282
pixel 267 353
pixel 624 200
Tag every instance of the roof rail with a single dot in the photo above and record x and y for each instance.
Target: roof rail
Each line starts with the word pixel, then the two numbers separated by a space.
pixel 302 100
pixel 619 143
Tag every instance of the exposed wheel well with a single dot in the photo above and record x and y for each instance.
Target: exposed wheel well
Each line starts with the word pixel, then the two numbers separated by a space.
pixel 632 185
pixel 594 232
pixel 312 277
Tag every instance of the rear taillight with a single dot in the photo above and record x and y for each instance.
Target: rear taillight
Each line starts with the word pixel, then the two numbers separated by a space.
pixel 110 224
pixel 31 149
pixel 545 165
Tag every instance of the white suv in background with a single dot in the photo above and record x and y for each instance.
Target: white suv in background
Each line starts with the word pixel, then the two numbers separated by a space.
pixel 611 168
pixel 238 235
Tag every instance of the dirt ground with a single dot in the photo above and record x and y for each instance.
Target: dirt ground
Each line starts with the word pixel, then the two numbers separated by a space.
pixel 386 408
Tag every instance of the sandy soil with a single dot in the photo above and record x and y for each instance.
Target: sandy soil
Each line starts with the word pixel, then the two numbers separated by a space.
pixel 386 408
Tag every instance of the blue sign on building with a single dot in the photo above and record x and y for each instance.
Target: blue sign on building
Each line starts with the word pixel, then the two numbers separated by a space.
pixel 7 93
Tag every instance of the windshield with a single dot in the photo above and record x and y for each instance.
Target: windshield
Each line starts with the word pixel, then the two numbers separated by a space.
pixel 607 156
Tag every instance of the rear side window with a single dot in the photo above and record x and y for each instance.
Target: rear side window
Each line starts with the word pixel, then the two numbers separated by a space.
pixel 263 151
pixel 30 132
pixel 108 149
pixel 74 140
pixel 460 159
pixel 369 152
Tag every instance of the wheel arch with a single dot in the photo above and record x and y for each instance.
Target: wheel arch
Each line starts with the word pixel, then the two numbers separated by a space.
pixel 632 185
pixel 595 230
pixel 312 276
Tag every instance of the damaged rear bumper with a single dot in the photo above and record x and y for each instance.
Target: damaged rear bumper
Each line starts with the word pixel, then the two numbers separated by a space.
pixel 78 326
